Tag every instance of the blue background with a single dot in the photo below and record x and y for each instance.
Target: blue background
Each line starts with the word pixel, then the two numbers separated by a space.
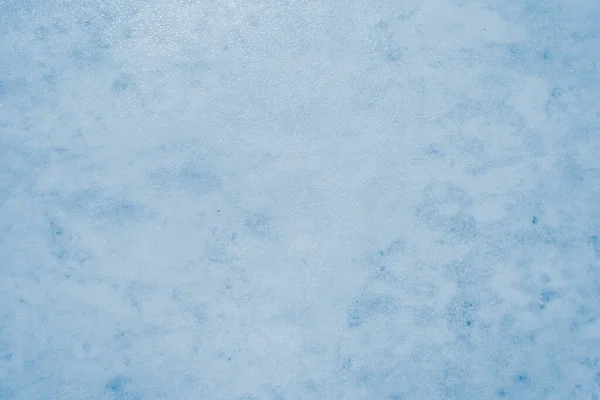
pixel 299 199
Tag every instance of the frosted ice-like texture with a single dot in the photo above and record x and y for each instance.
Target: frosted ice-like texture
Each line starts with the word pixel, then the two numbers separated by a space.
pixel 299 199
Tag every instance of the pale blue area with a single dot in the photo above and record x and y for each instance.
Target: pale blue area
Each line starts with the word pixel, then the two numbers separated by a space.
pixel 299 200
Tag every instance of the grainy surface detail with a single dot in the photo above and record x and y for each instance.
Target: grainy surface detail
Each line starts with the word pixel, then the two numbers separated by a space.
pixel 248 200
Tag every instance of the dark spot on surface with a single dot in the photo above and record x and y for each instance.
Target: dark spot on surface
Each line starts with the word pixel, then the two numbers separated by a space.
pixel 546 55
pixel 515 50
pixel 347 364
pixel 534 220
pixel 50 77
pixel 123 83
pixel 462 311
pixel 117 384
pixel 392 55
pixel 382 268
pixel 397 246
pixel 121 336
pixel 590 362
pixel 432 151
pixel 368 306
pixel 548 295
pixel 583 311
pixel 6 393
pixel 41 33
pixel 502 393
pixel 522 378
pixel 258 224
pixel 555 93
pixel 56 230
pixel 462 227
pixel 354 319
pixel 594 243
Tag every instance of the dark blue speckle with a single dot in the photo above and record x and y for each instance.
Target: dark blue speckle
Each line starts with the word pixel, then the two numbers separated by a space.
pixel 117 384
pixel 546 55
pixel 57 230
pixel 347 364
pixel 6 393
pixel 594 243
pixel 123 83
pixel 354 319
pixel 548 295
pixel 368 306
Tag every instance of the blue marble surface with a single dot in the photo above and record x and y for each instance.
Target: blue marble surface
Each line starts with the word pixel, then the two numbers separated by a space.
pixel 299 199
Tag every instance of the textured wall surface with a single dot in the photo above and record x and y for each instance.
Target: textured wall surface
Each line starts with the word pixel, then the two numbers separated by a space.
pixel 283 200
